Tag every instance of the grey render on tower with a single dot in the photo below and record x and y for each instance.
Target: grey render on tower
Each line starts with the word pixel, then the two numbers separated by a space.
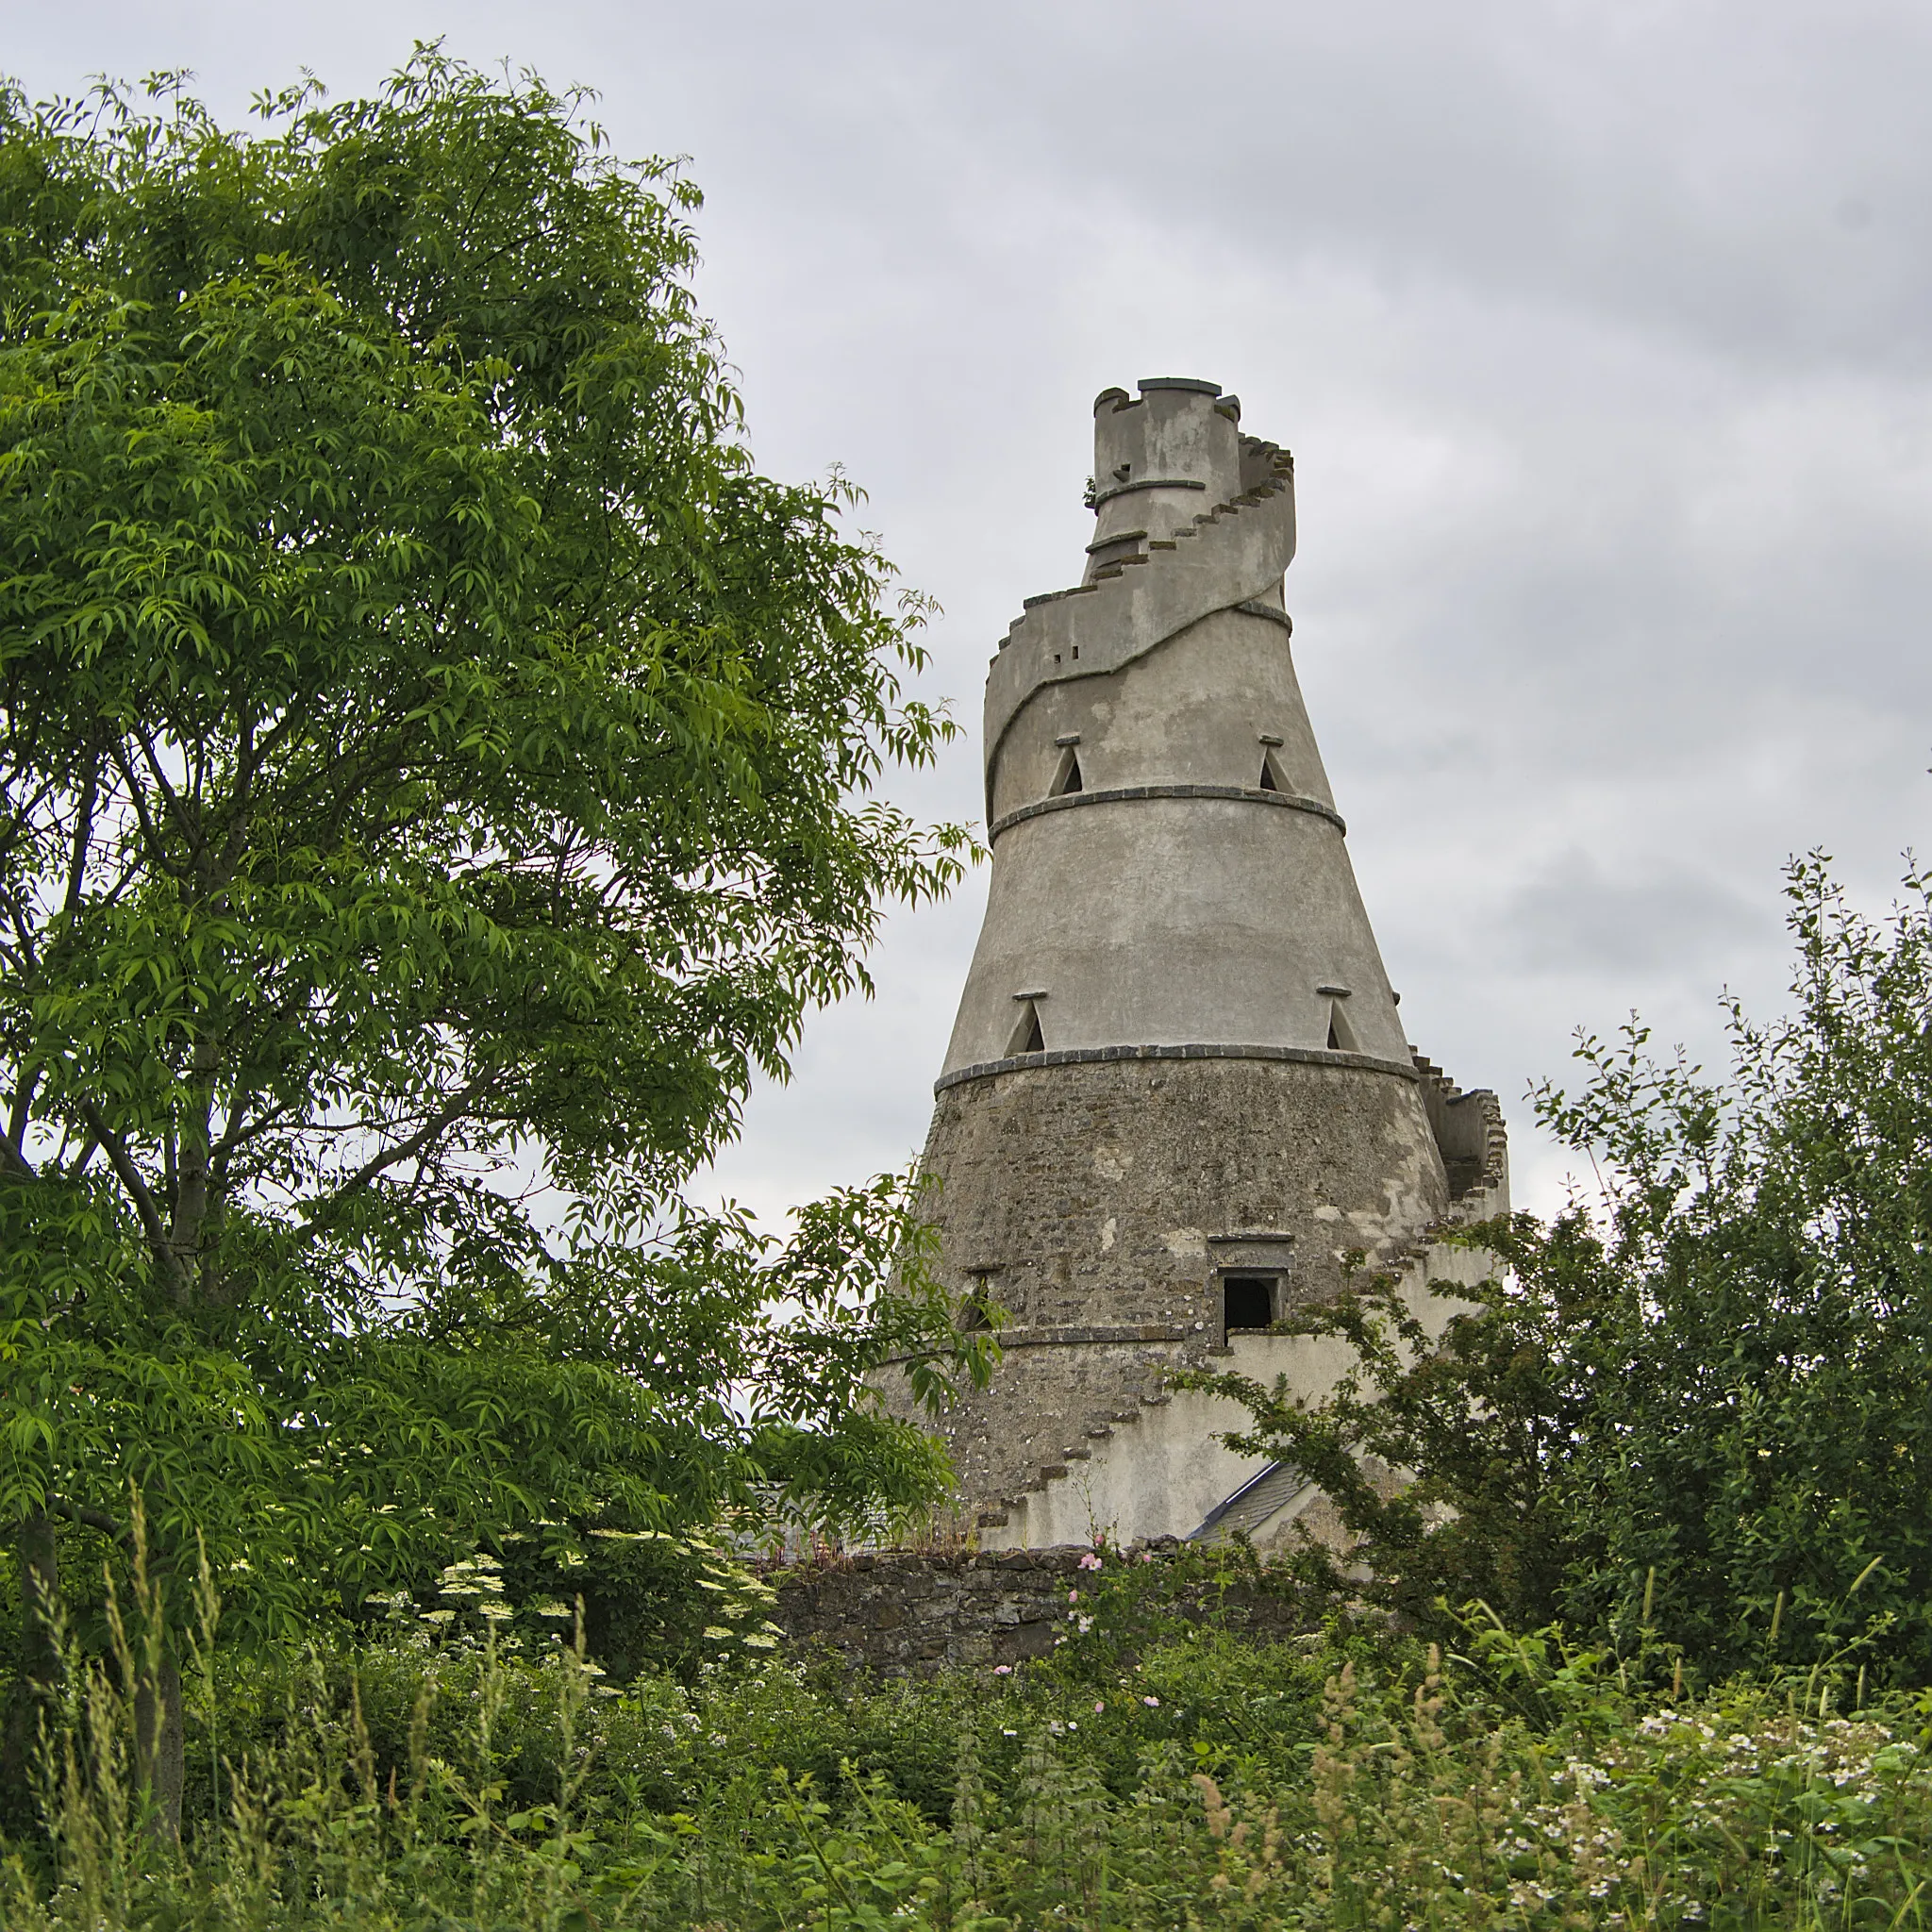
pixel 1177 1093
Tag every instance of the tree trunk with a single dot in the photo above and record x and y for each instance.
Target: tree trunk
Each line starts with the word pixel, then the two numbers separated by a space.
pixel 39 1682
pixel 160 1745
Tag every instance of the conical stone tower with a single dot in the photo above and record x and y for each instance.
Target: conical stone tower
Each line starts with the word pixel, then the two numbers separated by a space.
pixel 1178 1092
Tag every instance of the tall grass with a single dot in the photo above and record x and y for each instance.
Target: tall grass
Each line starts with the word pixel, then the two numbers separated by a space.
pixel 1342 1781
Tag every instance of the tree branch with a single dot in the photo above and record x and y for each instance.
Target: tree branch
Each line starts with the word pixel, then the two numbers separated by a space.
pixel 446 1116
pixel 10 1156
pixel 145 1206
pixel 136 803
pixel 88 1519
pixel 177 809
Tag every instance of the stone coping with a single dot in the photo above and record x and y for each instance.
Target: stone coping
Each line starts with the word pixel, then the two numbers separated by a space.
pixel 1092 1056
pixel 1051 1556
pixel 1245 794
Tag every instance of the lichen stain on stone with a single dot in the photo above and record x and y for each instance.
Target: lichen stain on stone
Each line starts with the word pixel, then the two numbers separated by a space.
pixel 1184 1243
pixel 1111 1162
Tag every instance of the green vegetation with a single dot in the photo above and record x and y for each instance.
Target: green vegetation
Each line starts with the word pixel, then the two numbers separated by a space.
pixel 1698 1406
pixel 1349 1780
pixel 435 774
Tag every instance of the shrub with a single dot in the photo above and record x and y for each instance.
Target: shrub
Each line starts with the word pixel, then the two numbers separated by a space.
pixel 1698 1403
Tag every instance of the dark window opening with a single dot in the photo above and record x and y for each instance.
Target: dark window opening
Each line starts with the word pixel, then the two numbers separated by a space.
pixel 976 1311
pixel 1027 1036
pixel 1247 1302
pixel 1068 779
pixel 1340 1035
pixel 1271 779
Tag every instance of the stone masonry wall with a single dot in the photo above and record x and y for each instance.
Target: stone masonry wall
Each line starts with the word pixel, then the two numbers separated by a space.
pixel 904 1614
pixel 1089 1199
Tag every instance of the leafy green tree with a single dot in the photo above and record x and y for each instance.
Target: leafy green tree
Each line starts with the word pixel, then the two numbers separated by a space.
pixel 439 769
pixel 1702 1402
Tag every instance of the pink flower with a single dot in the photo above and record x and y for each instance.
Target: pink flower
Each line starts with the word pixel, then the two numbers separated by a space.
pixel 1091 1560
pixel 1098 1709
pixel 1152 1703
pixel 1003 1670
pixel 1073 1596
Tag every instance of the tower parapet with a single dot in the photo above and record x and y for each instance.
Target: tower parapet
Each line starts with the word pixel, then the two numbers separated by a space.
pixel 1178 1092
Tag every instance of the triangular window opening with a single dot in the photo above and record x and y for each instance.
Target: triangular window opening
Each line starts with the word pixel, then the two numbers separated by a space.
pixel 1068 777
pixel 1027 1036
pixel 1270 778
pixel 1340 1035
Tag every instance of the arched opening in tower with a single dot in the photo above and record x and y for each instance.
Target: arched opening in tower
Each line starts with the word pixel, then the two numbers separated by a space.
pixel 1027 1036
pixel 1068 777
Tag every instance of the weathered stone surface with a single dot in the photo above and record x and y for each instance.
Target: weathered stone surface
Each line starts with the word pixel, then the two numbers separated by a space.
pixel 1098 1193
pixel 896 1617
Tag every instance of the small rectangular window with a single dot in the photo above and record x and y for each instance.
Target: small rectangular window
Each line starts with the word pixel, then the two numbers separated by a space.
pixel 1247 1302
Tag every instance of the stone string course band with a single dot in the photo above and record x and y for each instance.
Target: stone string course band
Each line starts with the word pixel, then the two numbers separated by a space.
pixel 1114 489
pixel 1077 1337
pixel 1246 794
pixel 1090 1056
pixel 1254 608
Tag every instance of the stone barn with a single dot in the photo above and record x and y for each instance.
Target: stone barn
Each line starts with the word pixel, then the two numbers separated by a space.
pixel 1178 1092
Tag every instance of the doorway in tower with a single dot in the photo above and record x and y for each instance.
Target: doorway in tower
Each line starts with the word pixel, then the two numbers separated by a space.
pixel 1247 1302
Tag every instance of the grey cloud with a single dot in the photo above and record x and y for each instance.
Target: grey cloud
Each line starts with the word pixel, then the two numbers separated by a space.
pixel 1571 918
pixel 1612 417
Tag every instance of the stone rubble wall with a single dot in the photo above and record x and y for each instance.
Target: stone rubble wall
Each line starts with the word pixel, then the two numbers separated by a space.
pixel 1088 1199
pixel 905 1613
pixel 1166 1471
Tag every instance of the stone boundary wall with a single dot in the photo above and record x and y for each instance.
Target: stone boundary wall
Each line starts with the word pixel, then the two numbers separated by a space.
pixel 901 1613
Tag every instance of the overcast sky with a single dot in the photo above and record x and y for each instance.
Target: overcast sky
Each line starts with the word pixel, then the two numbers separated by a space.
pixel 1602 335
